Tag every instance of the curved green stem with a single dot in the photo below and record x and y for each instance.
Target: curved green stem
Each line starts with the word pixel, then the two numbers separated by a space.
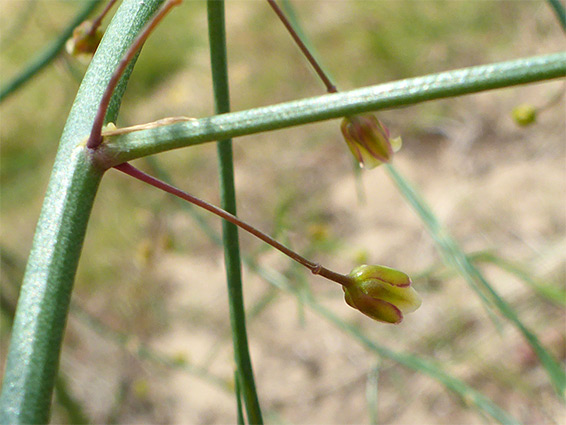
pixel 120 148
pixel 43 305
pixel 50 53
pixel 244 371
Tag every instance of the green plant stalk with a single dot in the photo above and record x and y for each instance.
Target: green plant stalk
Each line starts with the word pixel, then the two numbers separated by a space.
pixel 33 355
pixel 13 268
pixel 244 371
pixel 552 293
pixel 372 394
pixel 560 12
pixel 451 251
pixel 50 53
pixel 121 148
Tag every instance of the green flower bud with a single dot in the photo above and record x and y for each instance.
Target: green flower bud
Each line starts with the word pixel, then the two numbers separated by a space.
pixel 524 114
pixel 369 140
pixel 382 293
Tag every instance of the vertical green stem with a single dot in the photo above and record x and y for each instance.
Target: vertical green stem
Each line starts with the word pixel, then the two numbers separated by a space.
pixel 37 335
pixel 217 36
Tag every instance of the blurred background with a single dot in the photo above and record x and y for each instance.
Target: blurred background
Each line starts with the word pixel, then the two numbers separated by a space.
pixel 148 340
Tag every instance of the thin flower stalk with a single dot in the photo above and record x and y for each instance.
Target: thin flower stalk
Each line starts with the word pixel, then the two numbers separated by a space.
pixel 95 138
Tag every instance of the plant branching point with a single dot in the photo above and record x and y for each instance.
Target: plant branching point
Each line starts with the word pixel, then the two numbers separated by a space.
pixel 95 138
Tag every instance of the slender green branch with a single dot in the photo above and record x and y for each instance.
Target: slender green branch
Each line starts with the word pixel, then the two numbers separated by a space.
pixel 560 12
pixel 50 53
pixel 244 371
pixel 122 147
pixel 455 257
pixel 37 334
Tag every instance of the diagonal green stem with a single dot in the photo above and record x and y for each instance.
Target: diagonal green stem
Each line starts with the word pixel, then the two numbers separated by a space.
pixel 246 382
pixel 560 12
pixel 457 258
pixel 121 148
pixel 37 334
pixel 50 53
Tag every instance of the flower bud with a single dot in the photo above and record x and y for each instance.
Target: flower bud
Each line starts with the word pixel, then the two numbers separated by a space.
pixel 368 140
pixel 84 42
pixel 382 293
pixel 524 114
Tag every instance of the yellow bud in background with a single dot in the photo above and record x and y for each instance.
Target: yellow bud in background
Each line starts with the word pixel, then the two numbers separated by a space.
pixel 369 140
pixel 382 293
pixel 524 114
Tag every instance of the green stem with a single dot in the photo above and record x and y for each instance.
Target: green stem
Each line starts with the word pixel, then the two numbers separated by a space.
pixel 120 148
pixel 457 258
pixel 37 334
pixel 50 53
pixel 560 12
pixel 217 37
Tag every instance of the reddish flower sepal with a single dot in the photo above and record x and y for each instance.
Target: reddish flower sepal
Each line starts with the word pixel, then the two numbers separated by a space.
pixel 369 140
pixel 382 293
pixel 84 41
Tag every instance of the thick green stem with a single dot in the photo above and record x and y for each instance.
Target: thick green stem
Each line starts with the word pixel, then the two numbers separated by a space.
pixel 217 37
pixel 50 53
pixel 121 148
pixel 43 305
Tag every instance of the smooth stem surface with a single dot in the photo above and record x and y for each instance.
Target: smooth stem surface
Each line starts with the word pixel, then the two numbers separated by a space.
pixel 125 147
pixel 50 53
pixel 217 37
pixel 43 304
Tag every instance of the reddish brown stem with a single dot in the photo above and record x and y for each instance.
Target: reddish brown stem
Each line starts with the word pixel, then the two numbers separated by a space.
pixel 313 267
pixel 330 87
pixel 96 23
pixel 95 138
